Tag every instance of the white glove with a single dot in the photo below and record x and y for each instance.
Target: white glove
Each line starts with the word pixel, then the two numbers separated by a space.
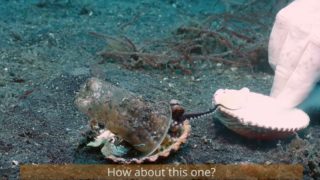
pixel 294 51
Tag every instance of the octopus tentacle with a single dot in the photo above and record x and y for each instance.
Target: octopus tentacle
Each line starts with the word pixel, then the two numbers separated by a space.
pixel 198 115
pixel 179 115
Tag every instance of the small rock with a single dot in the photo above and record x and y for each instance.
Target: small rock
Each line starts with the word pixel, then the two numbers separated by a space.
pixel 268 163
pixel 15 163
pixel 206 140
pixel 233 69
pixel 248 76
pixel 171 85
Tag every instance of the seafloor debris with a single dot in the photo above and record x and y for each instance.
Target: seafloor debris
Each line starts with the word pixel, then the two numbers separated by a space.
pixel 237 39
pixel 129 128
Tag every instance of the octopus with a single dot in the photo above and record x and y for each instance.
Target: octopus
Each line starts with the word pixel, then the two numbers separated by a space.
pixel 257 116
pixel 129 128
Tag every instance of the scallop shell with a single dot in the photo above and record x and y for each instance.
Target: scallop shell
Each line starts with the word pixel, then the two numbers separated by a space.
pixel 171 144
pixel 143 124
pixel 257 116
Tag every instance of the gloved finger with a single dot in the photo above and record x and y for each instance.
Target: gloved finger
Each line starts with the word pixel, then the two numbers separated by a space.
pixel 300 15
pixel 289 57
pixel 303 77
pixel 278 36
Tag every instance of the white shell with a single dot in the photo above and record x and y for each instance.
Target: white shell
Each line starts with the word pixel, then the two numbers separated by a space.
pixel 257 116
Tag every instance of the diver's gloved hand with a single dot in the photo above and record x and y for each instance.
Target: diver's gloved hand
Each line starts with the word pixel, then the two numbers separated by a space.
pixel 294 51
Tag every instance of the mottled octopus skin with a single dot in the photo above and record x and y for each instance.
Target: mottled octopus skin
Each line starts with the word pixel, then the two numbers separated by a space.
pixel 257 116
